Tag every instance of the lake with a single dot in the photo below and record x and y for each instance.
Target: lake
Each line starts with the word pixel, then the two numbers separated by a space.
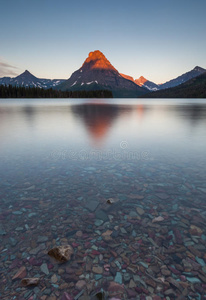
pixel 122 181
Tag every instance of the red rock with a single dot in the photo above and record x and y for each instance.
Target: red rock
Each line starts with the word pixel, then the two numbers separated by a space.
pixel 131 293
pixel 174 271
pixel 178 236
pixel 66 296
pixel 95 252
pixel 35 262
pixel 20 274
pixel 15 263
pixel 115 287
pixel 50 266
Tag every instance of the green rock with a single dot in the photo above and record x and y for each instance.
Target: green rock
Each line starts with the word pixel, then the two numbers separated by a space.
pixel 200 261
pixel 17 212
pixel 118 278
pixel 144 264
pixel 193 280
pixel 97 276
pixel 31 215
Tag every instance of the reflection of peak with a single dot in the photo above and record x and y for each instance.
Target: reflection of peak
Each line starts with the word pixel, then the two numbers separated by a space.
pixel 97 60
pixel 97 118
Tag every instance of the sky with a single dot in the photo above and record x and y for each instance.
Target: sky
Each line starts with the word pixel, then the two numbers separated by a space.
pixel 159 40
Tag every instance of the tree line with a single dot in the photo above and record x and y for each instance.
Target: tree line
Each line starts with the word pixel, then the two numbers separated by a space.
pixel 36 92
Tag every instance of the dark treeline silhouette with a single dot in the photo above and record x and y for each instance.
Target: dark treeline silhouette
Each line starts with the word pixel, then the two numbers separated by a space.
pixel 35 92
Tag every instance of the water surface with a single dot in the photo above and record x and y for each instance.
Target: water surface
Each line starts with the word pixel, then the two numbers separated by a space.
pixel 61 160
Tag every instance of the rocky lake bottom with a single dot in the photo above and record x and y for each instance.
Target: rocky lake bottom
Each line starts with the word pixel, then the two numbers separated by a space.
pixel 136 229
pixel 140 239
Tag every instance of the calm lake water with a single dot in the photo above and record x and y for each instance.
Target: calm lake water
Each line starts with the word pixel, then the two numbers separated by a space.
pixel 60 162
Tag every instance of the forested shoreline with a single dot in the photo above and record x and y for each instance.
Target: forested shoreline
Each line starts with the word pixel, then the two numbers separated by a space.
pixel 35 92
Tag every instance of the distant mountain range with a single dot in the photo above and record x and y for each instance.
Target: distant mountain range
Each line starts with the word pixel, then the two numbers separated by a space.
pixel 97 73
pixel 193 88
pixel 28 80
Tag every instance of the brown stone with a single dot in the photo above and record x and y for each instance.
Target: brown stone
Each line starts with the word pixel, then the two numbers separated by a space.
pixel 174 283
pixel 61 253
pixel 54 278
pixel 79 234
pixel 194 251
pixel 195 230
pixel 115 288
pixel 165 271
pixel 29 281
pixel 97 269
pixel 63 286
pixel 140 211
pixel 107 235
pixel 80 284
pixel 158 219
pixel 20 274
pixel 132 284
pixel 61 271
pixel 151 283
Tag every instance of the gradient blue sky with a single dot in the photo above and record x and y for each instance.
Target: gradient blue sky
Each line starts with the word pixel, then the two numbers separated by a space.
pixel 156 39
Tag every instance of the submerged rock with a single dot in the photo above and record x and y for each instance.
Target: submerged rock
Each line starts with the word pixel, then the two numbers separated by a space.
pixel 61 253
pixel 158 219
pixel 30 281
pixel 20 274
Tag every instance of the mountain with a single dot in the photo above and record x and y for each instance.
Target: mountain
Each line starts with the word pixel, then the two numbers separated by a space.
pixel 183 78
pixel 127 77
pixel 28 80
pixel 151 86
pixel 147 84
pixel 98 73
pixel 193 88
pixel 142 82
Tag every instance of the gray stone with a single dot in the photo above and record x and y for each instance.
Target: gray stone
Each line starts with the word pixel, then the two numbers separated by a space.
pixel 98 222
pixel 12 241
pixel 126 277
pixel 100 214
pixel 44 269
pixel 42 239
pixel 37 249
pixel 91 205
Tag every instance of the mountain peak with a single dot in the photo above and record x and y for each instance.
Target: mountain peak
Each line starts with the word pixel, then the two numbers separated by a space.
pixel 198 69
pixel 97 60
pixel 27 73
pixel 140 81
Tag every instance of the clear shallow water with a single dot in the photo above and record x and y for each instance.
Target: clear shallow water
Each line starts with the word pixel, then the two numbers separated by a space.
pixel 59 163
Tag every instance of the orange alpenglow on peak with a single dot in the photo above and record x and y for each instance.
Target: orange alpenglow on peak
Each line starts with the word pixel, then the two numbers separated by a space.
pixel 97 60
pixel 140 81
